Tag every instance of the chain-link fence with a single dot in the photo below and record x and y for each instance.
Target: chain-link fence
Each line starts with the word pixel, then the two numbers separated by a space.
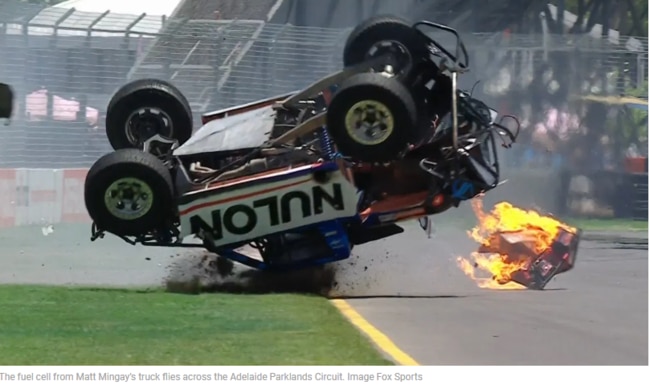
pixel 65 65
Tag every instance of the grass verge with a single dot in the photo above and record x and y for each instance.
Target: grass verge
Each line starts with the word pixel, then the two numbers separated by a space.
pixel 85 326
pixel 608 224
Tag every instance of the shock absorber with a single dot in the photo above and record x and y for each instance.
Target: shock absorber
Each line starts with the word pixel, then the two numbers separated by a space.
pixel 326 144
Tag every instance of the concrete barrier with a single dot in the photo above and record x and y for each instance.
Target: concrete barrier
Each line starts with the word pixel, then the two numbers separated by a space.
pixel 42 196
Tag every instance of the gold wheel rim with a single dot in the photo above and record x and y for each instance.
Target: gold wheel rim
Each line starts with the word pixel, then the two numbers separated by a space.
pixel 128 199
pixel 369 122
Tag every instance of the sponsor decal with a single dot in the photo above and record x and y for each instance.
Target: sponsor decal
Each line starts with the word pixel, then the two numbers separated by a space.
pixel 267 213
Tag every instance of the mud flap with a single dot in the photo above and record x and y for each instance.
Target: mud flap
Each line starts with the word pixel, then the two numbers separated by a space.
pixel 6 101
pixel 537 269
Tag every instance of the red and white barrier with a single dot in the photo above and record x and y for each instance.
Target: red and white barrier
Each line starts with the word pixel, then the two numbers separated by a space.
pixel 42 196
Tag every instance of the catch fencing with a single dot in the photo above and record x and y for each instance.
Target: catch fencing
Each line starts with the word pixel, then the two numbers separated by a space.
pixel 61 62
pixel 65 65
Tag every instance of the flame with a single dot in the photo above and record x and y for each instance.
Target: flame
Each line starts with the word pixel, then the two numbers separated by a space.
pixel 498 268
pixel 495 265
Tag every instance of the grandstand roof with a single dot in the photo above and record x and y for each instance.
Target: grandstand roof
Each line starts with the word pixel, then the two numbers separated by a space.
pixel 126 7
pixel 112 18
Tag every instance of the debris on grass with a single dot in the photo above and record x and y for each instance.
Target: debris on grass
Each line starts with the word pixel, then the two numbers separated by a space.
pixel 209 273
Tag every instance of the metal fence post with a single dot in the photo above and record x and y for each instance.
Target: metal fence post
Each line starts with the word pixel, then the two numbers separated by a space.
pixel 640 69
pixel 129 28
pixel 26 65
pixel 91 26
pixel 545 35
pixel 272 58
pixel 57 24
pixel 124 61
pixel 216 67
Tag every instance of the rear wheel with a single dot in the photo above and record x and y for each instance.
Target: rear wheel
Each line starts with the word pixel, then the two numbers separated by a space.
pixel 144 108
pixel 385 35
pixel 129 193
pixel 372 118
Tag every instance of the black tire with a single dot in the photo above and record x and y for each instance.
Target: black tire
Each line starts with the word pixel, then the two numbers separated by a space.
pixel 384 28
pixel 381 91
pixel 148 93
pixel 149 172
pixel 6 101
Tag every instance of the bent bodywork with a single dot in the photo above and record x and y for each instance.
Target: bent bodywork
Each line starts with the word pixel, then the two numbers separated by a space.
pixel 243 132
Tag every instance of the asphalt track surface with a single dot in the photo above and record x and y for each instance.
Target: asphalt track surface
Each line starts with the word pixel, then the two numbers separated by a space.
pixel 596 314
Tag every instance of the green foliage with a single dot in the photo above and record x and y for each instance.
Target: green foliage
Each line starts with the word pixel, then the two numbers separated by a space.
pixel 641 92
pixel 628 125
pixel 638 120
pixel 621 15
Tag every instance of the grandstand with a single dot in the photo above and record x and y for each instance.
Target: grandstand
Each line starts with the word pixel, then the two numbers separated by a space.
pixel 207 38
pixel 92 47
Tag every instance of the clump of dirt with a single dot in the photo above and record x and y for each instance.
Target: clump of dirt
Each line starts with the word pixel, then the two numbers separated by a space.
pixel 209 273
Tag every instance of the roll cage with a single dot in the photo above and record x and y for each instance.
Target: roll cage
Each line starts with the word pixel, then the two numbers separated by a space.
pixel 310 116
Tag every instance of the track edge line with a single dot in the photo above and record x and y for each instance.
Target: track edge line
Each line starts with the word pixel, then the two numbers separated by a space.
pixel 380 339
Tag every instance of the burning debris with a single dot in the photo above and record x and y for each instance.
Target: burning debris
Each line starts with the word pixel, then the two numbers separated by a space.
pixel 519 248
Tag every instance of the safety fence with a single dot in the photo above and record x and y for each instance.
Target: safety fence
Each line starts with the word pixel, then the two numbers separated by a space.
pixel 65 65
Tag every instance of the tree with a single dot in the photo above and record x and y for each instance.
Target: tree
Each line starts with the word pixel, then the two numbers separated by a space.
pixel 629 17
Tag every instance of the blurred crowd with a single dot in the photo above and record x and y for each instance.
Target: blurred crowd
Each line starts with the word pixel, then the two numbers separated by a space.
pixel 562 141
pixel 598 156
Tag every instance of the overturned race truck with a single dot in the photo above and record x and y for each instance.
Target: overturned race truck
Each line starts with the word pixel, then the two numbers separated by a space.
pixel 298 180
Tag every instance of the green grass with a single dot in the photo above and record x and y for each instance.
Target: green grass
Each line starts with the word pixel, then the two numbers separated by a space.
pixel 608 224
pixel 77 326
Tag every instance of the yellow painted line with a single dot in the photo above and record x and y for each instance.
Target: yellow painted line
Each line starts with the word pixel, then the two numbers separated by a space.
pixel 380 339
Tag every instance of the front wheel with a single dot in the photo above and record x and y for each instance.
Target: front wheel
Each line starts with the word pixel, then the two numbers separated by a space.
pixel 372 118
pixel 145 108
pixel 129 193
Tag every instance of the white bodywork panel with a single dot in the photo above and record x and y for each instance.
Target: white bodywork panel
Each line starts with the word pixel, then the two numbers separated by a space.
pixel 273 203
pixel 248 129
